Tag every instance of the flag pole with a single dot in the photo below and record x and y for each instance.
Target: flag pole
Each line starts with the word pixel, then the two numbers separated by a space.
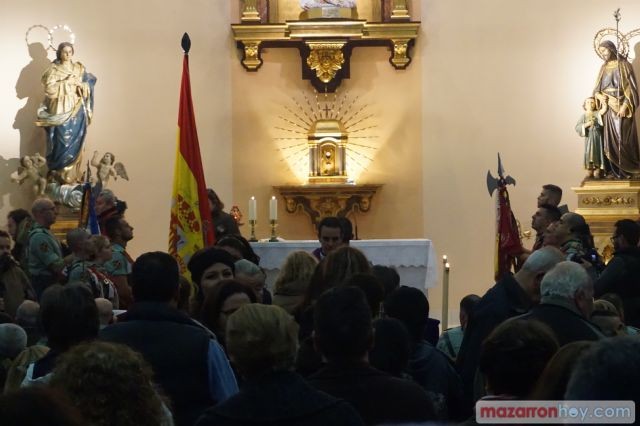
pixel 190 224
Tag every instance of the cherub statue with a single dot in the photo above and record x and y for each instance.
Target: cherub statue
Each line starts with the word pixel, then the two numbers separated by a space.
pixel 106 167
pixel 30 169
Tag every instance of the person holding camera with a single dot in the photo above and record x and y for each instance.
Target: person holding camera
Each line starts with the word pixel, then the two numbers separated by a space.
pixel 573 236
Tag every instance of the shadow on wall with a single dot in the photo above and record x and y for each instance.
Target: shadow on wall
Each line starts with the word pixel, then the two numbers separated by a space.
pixel 29 87
pixel 32 138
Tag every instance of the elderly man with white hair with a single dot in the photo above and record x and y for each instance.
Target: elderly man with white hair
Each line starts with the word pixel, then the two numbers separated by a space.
pixel 251 274
pixel 13 340
pixel 566 304
pixel 513 295
pixel 27 318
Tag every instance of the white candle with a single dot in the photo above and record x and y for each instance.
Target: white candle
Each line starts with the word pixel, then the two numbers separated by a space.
pixel 252 208
pixel 273 208
pixel 445 297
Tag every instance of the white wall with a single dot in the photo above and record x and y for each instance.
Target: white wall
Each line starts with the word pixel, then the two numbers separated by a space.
pixel 133 48
pixel 490 76
pixel 505 76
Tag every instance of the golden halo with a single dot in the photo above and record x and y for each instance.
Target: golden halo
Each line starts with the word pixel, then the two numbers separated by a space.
pixel 631 34
pixel 31 28
pixel 63 27
pixel 622 41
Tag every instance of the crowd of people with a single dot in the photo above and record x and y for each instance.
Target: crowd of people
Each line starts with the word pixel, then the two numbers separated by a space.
pixel 90 336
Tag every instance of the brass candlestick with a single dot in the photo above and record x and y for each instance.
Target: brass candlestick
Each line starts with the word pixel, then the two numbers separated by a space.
pixel 274 237
pixel 253 238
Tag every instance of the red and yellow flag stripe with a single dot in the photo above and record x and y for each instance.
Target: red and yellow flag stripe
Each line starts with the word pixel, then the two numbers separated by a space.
pixel 190 227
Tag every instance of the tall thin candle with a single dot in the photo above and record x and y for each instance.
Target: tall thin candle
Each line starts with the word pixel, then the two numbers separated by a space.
pixel 273 208
pixel 252 208
pixel 445 297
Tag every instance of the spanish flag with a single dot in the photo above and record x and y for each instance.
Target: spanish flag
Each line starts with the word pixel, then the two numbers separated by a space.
pixel 190 228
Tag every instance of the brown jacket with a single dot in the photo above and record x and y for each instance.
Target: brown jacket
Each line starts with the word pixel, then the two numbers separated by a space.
pixel 15 288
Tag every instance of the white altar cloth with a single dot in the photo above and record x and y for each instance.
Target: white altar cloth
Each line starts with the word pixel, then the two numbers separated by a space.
pixel 415 259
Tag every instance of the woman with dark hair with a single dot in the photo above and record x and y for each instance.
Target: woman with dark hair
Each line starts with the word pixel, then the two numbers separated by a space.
pixel 616 92
pixel 209 266
pixel 238 247
pixel 513 357
pixel 225 299
pixel 19 224
pixel 110 384
pixel 223 223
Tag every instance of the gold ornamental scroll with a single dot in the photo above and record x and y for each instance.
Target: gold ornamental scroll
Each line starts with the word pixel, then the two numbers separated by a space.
pixel 325 58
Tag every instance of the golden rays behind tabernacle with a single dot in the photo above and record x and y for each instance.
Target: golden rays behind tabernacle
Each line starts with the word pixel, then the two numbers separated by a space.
pixel 343 153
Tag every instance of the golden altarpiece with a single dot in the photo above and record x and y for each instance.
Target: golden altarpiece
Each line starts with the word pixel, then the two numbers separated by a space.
pixel 603 203
pixel 325 38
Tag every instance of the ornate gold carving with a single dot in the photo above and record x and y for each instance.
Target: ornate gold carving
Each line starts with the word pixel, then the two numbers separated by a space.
pixel 319 201
pixel 250 12
pixel 252 59
pixel 348 33
pixel 326 59
pixel 400 59
pixel 607 200
pixel 400 11
pixel 603 202
pixel 327 141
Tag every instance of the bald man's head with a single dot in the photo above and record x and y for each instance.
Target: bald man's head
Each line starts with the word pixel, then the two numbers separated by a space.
pixel 27 314
pixel 105 311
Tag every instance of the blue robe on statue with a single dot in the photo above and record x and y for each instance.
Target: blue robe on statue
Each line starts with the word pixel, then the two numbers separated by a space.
pixel 65 114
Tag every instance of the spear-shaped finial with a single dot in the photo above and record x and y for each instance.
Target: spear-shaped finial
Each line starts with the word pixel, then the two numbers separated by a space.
pixel 186 43
pixel 617 15
pixel 500 168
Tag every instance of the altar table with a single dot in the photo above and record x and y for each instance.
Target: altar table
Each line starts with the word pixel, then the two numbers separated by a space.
pixel 415 259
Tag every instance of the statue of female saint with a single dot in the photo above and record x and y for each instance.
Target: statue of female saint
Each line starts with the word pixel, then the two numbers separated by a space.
pixel 616 95
pixel 66 112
